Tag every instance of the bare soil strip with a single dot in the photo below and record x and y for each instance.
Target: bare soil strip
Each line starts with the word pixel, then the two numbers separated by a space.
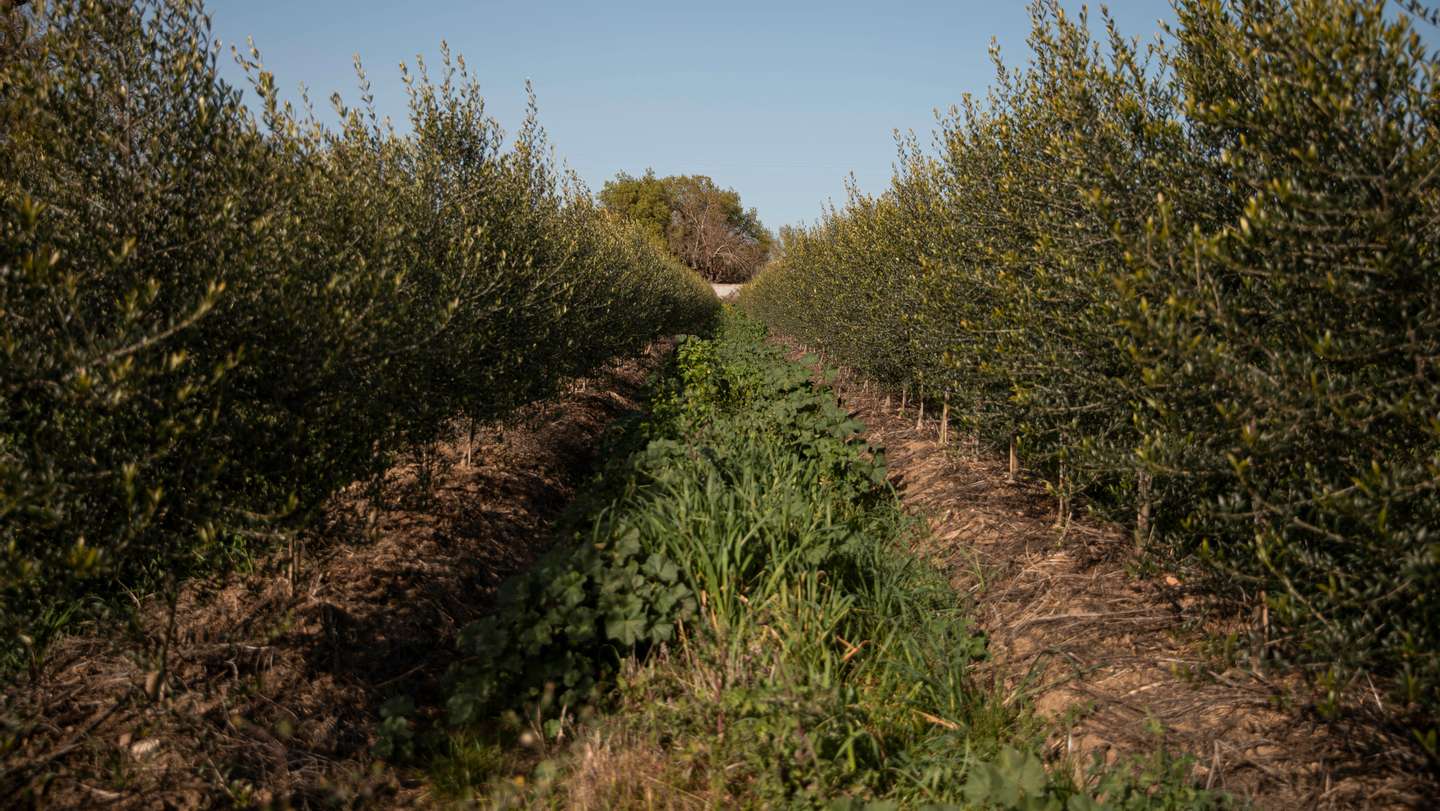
pixel 265 688
pixel 1126 660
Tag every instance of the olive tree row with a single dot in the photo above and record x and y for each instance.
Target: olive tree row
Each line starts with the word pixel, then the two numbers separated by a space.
pixel 212 319
pixel 1196 283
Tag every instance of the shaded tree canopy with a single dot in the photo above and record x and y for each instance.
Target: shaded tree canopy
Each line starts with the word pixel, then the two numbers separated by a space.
pixel 704 225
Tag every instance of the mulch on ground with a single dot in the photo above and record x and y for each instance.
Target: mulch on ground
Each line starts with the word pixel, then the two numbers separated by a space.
pixel 1124 664
pixel 272 681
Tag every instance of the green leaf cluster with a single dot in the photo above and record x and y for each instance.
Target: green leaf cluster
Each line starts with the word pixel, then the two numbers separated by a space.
pixel 1017 780
pixel 560 629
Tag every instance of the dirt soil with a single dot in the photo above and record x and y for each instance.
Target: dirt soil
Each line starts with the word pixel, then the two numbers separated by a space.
pixel 1125 664
pixel 265 688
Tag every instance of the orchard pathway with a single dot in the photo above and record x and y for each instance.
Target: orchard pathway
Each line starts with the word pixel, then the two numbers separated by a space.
pixel 316 638
pixel 1123 665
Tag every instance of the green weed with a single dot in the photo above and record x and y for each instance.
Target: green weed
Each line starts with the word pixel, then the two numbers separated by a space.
pixel 775 645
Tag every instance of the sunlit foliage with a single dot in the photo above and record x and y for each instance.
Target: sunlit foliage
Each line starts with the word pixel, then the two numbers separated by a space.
pixel 211 320
pixel 705 226
pixel 1198 282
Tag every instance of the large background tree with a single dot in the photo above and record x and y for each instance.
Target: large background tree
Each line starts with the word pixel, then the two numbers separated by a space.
pixel 704 225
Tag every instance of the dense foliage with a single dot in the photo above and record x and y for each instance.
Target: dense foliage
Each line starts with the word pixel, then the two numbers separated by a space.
pixel 209 323
pixel 1198 282
pixel 705 226
pixel 635 573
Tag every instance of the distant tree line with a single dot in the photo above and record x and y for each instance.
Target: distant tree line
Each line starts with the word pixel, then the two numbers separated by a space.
pixel 705 226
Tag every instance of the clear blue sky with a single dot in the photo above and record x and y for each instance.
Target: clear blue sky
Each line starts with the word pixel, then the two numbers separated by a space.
pixel 780 100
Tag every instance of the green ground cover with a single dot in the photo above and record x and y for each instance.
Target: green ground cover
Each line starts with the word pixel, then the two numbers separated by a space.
pixel 735 607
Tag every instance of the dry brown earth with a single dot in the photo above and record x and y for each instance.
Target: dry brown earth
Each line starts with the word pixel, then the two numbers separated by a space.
pixel 1124 663
pixel 265 688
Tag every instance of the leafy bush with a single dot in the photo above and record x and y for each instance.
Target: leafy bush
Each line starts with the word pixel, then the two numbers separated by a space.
pixel 556 635
pixel 209 323
pixel 1197 283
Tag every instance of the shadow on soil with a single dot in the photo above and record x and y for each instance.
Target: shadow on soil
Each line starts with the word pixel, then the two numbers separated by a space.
pixel 265 688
